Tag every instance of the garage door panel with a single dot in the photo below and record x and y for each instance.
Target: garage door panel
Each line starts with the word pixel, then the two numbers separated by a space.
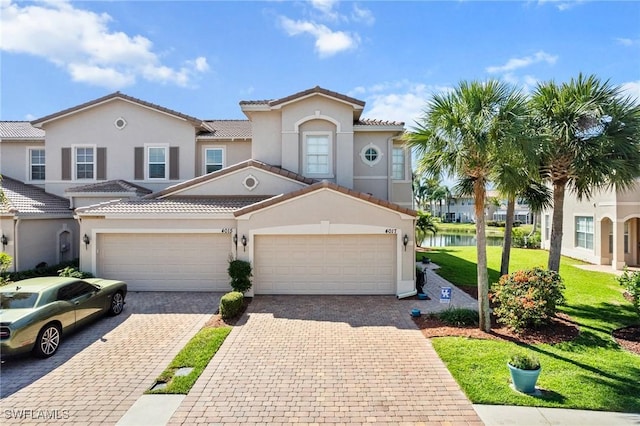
pixel 165 262
pixel 325 264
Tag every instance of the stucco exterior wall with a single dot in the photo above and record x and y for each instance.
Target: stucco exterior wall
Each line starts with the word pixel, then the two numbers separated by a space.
pixel 14 159
pixel 266 145
pixel 95 127
pixel 234 152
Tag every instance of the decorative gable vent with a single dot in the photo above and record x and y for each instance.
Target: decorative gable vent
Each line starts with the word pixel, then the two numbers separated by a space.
pixel 120 123
pixel 250 182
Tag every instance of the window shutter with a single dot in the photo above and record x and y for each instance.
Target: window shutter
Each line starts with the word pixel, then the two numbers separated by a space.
pixel 174 162
pixel 138 160
pixel 66 164
pixel 102 164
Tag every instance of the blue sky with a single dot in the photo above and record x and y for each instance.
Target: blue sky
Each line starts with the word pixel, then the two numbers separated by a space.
pixel 201 58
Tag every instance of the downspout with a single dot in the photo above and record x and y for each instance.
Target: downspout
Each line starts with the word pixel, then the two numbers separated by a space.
pixel 16 222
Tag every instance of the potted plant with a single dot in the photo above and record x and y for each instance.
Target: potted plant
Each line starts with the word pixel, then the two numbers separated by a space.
pixel 525 369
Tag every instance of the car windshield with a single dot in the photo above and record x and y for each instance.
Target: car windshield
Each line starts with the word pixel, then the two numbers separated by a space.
pixel 17 300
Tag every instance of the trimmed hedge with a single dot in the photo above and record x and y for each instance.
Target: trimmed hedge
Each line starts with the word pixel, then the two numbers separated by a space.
pixel 231 304
pixel 240 273
pixel 47 271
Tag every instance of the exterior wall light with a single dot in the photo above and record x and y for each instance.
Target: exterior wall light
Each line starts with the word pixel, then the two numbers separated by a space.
pixel 243 240
pixel 4 241
pixel 405 241
pixel 86 240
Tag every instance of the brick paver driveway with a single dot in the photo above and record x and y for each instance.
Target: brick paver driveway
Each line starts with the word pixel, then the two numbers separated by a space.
pixel 325 359
pixel 99 372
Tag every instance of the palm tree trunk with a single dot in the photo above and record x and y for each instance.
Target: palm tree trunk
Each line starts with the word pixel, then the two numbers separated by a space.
pixel 555 245
pixel 481 248
pixel 506 243
pixel 535 225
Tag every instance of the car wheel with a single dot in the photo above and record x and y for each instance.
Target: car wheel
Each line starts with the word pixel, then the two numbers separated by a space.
pixel 48 341
pixel 117 303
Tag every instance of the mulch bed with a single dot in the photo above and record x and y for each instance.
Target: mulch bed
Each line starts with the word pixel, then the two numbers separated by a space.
pixel 628 338
pixel 216 319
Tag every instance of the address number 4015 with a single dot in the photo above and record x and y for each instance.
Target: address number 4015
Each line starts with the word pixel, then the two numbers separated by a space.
pixel 391 231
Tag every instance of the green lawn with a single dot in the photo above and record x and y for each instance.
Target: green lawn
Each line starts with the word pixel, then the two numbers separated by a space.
pixel 591 372
pixel 196 354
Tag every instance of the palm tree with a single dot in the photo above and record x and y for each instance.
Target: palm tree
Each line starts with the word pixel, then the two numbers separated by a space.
pixel 592 141
pixel 424 224
pixel 461 134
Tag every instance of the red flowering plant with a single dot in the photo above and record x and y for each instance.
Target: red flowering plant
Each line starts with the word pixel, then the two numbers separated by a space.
pixel 527 298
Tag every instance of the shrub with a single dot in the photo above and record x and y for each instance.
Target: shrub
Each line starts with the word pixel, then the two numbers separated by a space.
pixel 521 239
pixel 527 298
pixel 73 272
pixel 231 304
pixel 524 361
pixel 47 271
pixel 240 274
pixel 459 317
pixel 5 263
pixel 631 283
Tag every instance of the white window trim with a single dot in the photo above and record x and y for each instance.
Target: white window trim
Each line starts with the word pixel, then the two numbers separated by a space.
pixel 204 156
pixel 147 147
pixel 29 176
pixel 575 232
pixel 74 162
pixel 405 164
pixel 329 135
pixel 363 153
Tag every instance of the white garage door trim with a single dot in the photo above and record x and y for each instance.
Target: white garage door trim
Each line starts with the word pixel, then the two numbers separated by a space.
pixel 223 233
pixel 328 228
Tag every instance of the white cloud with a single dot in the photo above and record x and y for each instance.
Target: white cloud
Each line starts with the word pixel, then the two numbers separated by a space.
pixel 517 63
pixel 81 42
pixel 399 100
pixel 628 42
pixel 327 42
pixel 562 5
pixel 631 89
pixel 360 14
pixel 326 8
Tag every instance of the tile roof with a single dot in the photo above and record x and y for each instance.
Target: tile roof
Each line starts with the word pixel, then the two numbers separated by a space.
pixel 117 95
pixel 110 186
pixel 324 185
pixel 373 122
pixel 227 129
pixel 179 206
pixel 19 130
pixel 29 200
pixel 317 89
pixel 214 175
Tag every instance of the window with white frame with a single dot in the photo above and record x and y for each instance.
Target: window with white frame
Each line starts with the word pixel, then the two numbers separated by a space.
pixel 371 155
pixel 85 162
pixel 547 226
pixel 213 159
pixel 626 237
pixel 317 154
pixel 36 164
pixel 157 162
pixel 584 232
pixel 398 164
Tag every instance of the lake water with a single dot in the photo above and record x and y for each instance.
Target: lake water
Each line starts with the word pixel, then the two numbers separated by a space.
pixel 447 240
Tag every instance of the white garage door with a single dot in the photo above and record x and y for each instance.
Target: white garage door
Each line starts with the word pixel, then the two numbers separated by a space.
pixel 325 264
pixel 165 262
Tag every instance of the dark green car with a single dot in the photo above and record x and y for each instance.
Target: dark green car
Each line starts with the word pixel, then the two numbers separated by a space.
pixel 36 313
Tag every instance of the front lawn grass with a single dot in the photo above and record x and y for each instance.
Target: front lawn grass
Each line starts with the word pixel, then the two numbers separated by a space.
pixel 196 354
pixel 592 372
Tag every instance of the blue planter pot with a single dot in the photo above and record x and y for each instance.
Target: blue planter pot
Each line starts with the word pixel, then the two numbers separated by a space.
pixel 524 380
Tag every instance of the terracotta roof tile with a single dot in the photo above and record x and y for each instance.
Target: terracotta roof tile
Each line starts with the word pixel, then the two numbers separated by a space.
pixel 117 95
pixel 324 185
pixel 29 200
pixel 214 175
pixel 110 186
pixel 179 206
pixel 304 93
pixel 227 129
pixel 19 130
pixel 374 122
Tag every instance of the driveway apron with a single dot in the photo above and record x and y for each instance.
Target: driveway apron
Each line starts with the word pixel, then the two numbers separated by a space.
pixel 326 359
pixel 99 372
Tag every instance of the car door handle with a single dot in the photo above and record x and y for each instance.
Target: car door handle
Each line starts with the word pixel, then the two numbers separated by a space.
pixel 76 302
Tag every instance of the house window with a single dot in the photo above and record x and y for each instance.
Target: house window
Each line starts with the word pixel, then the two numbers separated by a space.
pixel 214 159
pixel 84 163
pixel 36 164
pixel 547 226
pixel 157 162
pixel 371 155
pixel 397 164
pixel 584 232
pixel 626 237
pixel 317 154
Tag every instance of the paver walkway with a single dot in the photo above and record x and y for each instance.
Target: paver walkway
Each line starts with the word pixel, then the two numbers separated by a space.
pixel 99 372
pixel 326 359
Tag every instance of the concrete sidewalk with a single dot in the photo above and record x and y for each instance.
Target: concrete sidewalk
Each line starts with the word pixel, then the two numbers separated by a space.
pixel 494 415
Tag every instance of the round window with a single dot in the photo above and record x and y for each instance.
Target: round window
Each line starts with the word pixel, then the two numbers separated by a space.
pixel 371 154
